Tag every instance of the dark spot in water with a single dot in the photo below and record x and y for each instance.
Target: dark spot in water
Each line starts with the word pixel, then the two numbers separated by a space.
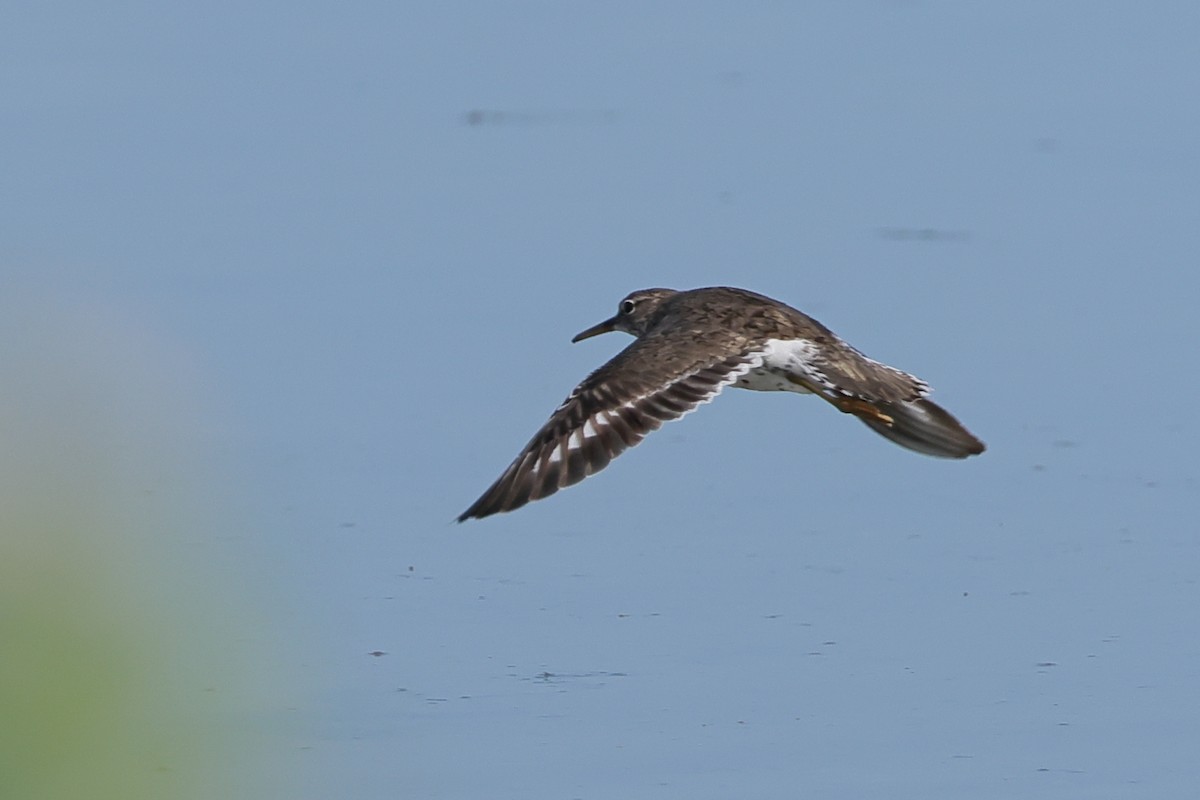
pixel 923 235
pixel 479 117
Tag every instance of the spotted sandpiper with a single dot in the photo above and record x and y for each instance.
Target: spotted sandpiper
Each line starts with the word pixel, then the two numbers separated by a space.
pixel 692 344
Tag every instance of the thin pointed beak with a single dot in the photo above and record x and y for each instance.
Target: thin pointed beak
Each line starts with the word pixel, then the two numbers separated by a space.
pixel 608 326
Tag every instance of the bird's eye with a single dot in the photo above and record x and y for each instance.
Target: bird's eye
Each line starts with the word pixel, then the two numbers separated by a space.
pixel 627 306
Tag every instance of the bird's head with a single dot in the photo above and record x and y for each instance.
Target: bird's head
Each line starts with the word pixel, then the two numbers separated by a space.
pixel 634 314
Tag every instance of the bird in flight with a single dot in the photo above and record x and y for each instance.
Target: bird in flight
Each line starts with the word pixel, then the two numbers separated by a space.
pixel 689 346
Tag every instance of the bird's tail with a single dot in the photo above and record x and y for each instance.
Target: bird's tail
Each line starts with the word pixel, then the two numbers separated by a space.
pixel 924 426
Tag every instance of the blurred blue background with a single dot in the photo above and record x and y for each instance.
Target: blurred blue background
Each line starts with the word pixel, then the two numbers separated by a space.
pixel 352 242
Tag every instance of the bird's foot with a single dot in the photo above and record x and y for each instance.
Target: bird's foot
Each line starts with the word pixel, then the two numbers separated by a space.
pixel 862 408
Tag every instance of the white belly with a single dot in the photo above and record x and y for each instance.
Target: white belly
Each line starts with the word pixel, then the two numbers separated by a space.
pixel 765 380
pixel 780 359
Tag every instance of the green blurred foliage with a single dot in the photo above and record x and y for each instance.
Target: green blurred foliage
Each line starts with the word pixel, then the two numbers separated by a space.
pixel 117 679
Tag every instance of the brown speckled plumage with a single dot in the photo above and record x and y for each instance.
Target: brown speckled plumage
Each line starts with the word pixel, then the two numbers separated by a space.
pixel 689 346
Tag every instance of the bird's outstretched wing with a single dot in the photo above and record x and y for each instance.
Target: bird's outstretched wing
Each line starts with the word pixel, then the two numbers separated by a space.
pixel 613 409
pixel 889 401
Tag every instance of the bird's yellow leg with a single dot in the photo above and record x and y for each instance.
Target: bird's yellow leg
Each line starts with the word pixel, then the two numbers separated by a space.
pixel 861 408
pixel 847 405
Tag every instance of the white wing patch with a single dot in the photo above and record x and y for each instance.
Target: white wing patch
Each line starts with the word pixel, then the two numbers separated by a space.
pixel 594 424
pixel 568 449
pixel 554 456
pixel 802 359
